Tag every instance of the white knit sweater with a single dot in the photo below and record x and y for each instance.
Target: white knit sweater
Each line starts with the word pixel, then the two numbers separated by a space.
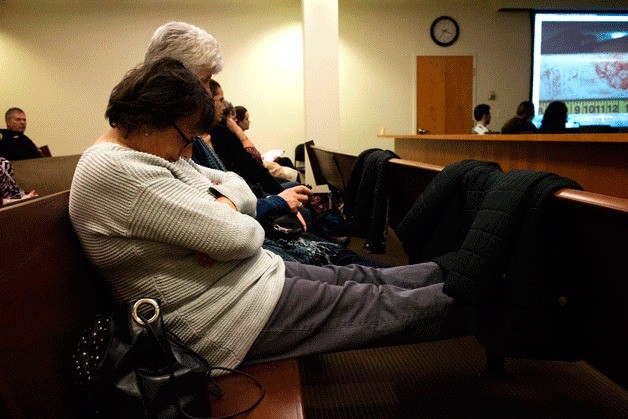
pixel 148 225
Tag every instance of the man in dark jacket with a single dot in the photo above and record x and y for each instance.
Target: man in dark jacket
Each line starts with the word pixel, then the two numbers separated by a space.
pixel 14 144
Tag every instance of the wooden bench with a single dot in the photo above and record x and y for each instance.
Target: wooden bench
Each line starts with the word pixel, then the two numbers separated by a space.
pixel 49 293
pixel 595 238
pixel 330 167
pixel 47 175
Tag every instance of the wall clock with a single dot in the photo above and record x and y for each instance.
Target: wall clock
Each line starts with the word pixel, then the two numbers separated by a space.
pixel 444 31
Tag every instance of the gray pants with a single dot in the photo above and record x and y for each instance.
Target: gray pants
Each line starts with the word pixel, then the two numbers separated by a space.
pixel 332 308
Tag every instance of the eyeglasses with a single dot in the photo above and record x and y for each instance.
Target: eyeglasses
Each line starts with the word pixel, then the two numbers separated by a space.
pixel 185 139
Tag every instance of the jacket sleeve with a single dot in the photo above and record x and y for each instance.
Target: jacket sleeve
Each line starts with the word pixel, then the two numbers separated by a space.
pixel 273 205
pixel 232 186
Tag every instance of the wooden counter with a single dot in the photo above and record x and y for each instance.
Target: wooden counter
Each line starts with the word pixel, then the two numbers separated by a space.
pixel 599 162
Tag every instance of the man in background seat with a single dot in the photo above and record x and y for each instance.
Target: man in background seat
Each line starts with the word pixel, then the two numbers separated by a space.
pixel 14 144
pixel 482 114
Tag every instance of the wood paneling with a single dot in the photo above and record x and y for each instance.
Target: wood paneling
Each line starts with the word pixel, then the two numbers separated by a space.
pixel 598 163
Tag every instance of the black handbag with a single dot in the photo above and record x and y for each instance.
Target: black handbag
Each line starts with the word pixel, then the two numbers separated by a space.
pixel 286 226
pixel 127 365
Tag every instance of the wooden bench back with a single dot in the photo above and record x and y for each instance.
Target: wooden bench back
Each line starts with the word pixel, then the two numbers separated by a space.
pixel 47 175
pixel 329 167
pixel 595 238
pixel 46 300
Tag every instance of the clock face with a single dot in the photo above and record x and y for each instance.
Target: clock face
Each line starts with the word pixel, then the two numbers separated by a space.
pixel 444 31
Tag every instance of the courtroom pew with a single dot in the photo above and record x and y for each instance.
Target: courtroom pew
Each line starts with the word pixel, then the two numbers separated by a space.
pixel 46 175
pixel 594 237
pixel 330 167
pixel 49 293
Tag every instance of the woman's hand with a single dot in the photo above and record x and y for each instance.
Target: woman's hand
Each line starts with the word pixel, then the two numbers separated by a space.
pixel 31 194
pixel 235 128
pixel 302 220
pixel 296 197
pixel 226 201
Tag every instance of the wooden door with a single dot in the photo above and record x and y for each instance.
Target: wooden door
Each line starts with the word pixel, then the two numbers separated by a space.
pixel 445 94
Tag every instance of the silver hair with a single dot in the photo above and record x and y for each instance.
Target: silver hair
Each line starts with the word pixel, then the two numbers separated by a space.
pixel 10 112
pixel 195 48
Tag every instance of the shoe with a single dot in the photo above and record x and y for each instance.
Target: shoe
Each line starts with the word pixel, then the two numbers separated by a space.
pixel 341 240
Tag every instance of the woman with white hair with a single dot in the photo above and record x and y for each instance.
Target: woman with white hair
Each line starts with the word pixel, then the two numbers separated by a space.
pixel 191 45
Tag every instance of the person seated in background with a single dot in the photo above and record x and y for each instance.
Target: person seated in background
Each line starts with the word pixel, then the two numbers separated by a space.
pixel 554 118
pixel 224 136
pixel 482 116
pixel 280 167
pixel 243 119
pixel 231 113
pixel 521 122
pixel 307 248
pixel 157 225
pixel 9 189
pixel 198 50
pixel 14 144
pixel 227 142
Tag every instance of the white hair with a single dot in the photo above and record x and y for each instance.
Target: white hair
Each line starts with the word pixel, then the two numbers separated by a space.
pixel 195 48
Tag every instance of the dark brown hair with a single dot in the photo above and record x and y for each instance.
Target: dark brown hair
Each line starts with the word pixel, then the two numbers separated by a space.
pixel 554 118
pixel 525 109
pixel 240 113
pixel 480 111
pixel 156 95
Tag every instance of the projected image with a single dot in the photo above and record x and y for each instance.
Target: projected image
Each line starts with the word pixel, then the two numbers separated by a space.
pixel 582 60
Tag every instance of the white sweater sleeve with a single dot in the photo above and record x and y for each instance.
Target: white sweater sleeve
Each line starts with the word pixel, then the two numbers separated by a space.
pixel 167 210
pixel 232 186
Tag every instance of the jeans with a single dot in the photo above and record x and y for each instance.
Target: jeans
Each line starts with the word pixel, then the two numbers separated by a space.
pixel 333 308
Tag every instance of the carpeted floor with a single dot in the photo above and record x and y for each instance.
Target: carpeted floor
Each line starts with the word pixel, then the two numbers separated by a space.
pixel 440 379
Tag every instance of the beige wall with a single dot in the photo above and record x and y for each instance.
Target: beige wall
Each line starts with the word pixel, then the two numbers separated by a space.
pixel 378 63
pixel 60 63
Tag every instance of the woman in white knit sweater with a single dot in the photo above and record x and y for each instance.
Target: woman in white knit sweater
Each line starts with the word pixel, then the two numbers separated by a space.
pixel 157 225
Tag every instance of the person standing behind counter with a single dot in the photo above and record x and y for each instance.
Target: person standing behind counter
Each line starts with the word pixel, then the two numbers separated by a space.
pixel 554 118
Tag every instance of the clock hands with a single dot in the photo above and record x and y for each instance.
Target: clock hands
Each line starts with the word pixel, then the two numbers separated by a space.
pixel 445 34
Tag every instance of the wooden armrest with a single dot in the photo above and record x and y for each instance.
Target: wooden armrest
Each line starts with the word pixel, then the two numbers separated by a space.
pixel 282 383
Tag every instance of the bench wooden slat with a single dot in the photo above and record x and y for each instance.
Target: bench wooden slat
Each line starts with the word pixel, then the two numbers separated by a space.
pixel 47 175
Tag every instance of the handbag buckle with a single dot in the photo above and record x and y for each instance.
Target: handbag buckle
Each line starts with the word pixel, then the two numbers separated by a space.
pixel 137 305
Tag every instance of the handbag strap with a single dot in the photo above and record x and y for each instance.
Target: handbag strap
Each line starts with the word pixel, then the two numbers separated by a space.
pixel 168 352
